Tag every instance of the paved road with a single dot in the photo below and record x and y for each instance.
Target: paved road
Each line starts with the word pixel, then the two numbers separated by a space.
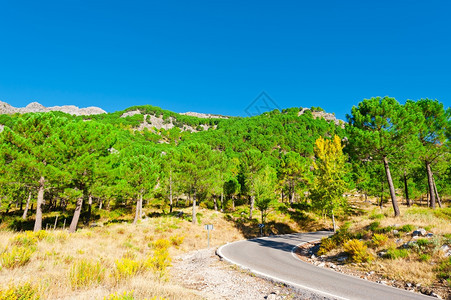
pixel 272 257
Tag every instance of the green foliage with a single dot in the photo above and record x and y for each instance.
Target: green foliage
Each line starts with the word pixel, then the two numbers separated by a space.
pixel 374 226
pixel 406 228
pixel 425 257
pixel 394 253
pixel 16 256
pixel 330 170
pixel 25 291
pixel 84 274
pixel 327 244
pixel 357 251
pixel 444 270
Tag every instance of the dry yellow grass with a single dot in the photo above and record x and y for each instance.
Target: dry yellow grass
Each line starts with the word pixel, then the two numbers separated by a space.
pixel 50 265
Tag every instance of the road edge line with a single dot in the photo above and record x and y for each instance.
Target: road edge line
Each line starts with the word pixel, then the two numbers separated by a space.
pixel 276 279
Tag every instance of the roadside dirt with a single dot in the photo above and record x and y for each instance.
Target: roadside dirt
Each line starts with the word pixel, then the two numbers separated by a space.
pixel 203 271
pixel 306 252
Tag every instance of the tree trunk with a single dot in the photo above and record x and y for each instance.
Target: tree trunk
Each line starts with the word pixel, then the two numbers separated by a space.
pixel 170 192
pixel 436 193
pixel 24 216
pixel 233 203
pixel 88 217
pixel 391 188
pixel 382 194
pixel 74 223
pixel 252 207
pixel 263 220
pixel 138 209
pixel 40 200
pixel 222 201
pixel 406 190
pixel 100 203
pixel 215 203
pixel 194 208
pixel 431 185
pixel 333 222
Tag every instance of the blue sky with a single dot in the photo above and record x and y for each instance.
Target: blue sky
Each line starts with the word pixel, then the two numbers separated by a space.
pixel 217 56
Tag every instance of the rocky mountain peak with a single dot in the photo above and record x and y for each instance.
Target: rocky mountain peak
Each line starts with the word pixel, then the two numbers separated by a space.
pixel 5 108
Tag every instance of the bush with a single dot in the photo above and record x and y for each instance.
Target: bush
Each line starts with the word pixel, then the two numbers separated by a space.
pixel 374 226
pixel 160 260
pixel 422 242
pixel 406 228
pixel 379 239
pixel 126 268
pixel 327 244
pixel 393 253
pixel 425 257
pixel 444 269
pixel 85 273
pixel 116 296
pixel 357 251
pixel 177 240
pixel 20 292
pixel 18 256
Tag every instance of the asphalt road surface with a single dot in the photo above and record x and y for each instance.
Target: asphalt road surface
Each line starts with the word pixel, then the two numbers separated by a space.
pixel 273 257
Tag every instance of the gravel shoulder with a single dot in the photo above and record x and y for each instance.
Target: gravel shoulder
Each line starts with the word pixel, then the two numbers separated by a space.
pixel 204 272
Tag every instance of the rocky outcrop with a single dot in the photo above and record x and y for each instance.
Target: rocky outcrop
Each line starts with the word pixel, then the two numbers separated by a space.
pixel 34 107
pixel 322 114
pixel 204 116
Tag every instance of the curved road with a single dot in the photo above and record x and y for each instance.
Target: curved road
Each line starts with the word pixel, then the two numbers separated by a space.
pixel 273 257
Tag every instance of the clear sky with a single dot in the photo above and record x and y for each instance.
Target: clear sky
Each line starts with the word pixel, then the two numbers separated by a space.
pixel 218 56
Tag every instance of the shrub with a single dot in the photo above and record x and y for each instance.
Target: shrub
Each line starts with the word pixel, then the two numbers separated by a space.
pixel 327 244
pixel 406 228
pixel 160 260
pixel 357 251
pixel 342 235
pixel 425 257
pixel 126 268
pixel 20 292
pixel 16 257
pixel 444 269
pixel 177 240
pixel 393 253
pixel 116 296
pixel 374 226
pixel 422 242
pixel 85 273
pixel 379 239
pixel 26 239
pixel 376 216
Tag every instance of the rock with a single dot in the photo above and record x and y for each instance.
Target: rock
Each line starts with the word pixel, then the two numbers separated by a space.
pixel 396 225
pixel 271 297
pixel 34 107
pixel 435 295
pixel 395 232
pixel 342 259
pixel 321 265
pixel 399 241
pixel 408 284
pixel 419 232
pixel 333 266
pixel 382 253
pixel 313 256
pixel 430 234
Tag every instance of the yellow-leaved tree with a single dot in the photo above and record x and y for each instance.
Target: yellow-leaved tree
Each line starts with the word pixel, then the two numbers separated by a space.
pixel 330 171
